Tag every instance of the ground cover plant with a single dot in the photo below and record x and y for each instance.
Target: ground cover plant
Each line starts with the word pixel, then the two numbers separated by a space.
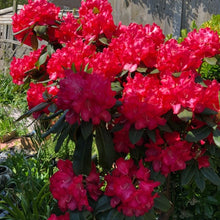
pixel 142 101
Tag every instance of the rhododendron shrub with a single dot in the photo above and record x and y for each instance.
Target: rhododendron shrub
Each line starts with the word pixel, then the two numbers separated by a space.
pixel 136 98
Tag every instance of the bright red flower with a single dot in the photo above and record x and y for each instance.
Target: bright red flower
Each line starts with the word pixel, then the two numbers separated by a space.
pixel 130 188
pixel 96 19
pixel 38 12
pixel 76 53
pixel 35 97
pixel 202 43
pixel 70 190
pixel 174 57
pixel 68 30
pixel 169 155
pixel 66 216
pixel 144 102
pixel 23 67
pixel 137 43
pixel 106 64
pixel 87 96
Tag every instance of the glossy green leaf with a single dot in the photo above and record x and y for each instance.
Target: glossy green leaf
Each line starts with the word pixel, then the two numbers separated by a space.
pixel 177 74
pixel 34 42
pixel 216 137
pixel 42 59
pixel 84 215
pixel 199 180
pixel 211 175
pixel 105 146
pixel 210 60
pixel 116 86
pixel 162 203
pixel 114 214
pixel 102 205
pixel 142 69
pixel 37 108
pixel 152 135
pixel 135 135
pixel 82 156
pixel 63 135
pixel 185 115
pixel 57 127
pixel 198 134
pixel 208 111
pixel 86 129
pixel 154 71
pixel 103 40
pixel 188 174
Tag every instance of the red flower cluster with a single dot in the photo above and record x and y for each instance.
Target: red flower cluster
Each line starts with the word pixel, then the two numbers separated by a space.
pixel 96 19
pixel 168 154
pixel 68 29
pixel 143 102
pixel 130 188
pixel 66 216
pixel 35 97
pixel 87 96
pixel 76 53
pixel 22 67
pixel 38 12
pixel 202 43
pixel 141 45
pixel 70 190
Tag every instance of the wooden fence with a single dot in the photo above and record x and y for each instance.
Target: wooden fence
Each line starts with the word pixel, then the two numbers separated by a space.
pixel 9 47
pixel 170 15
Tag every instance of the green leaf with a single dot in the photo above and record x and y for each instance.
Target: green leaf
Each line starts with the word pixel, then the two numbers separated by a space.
pixel 211 60
pixel 40 29
pixel 216 137
pixel 34 42
pixel 162 203
pixel 198 134
pixel 152 135
pixel 141 69
pixel 208 120
pixel 52 108
pixel 211 175
pixel 116 86
pixel 57 127
pixel 114 214
pixel 86 129
pixel 148 216
pixel 185 115
pixel 84 215
pixel 177 74
pixel 82 157
pixel 73 67
pixel 117 127
pixel 42 59
pixel 37 108
pixel 105 146
pixel 200 80
pixel 199 180
pixel 50 49
pixel 188 174
pixel 208 111
pixel 154 71
pixel 135 135
pixel 102 205
pixel 63 135
pixel 124 72
pixel 104 40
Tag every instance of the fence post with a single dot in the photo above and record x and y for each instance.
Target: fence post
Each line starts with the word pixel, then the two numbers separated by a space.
pixel 14 6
